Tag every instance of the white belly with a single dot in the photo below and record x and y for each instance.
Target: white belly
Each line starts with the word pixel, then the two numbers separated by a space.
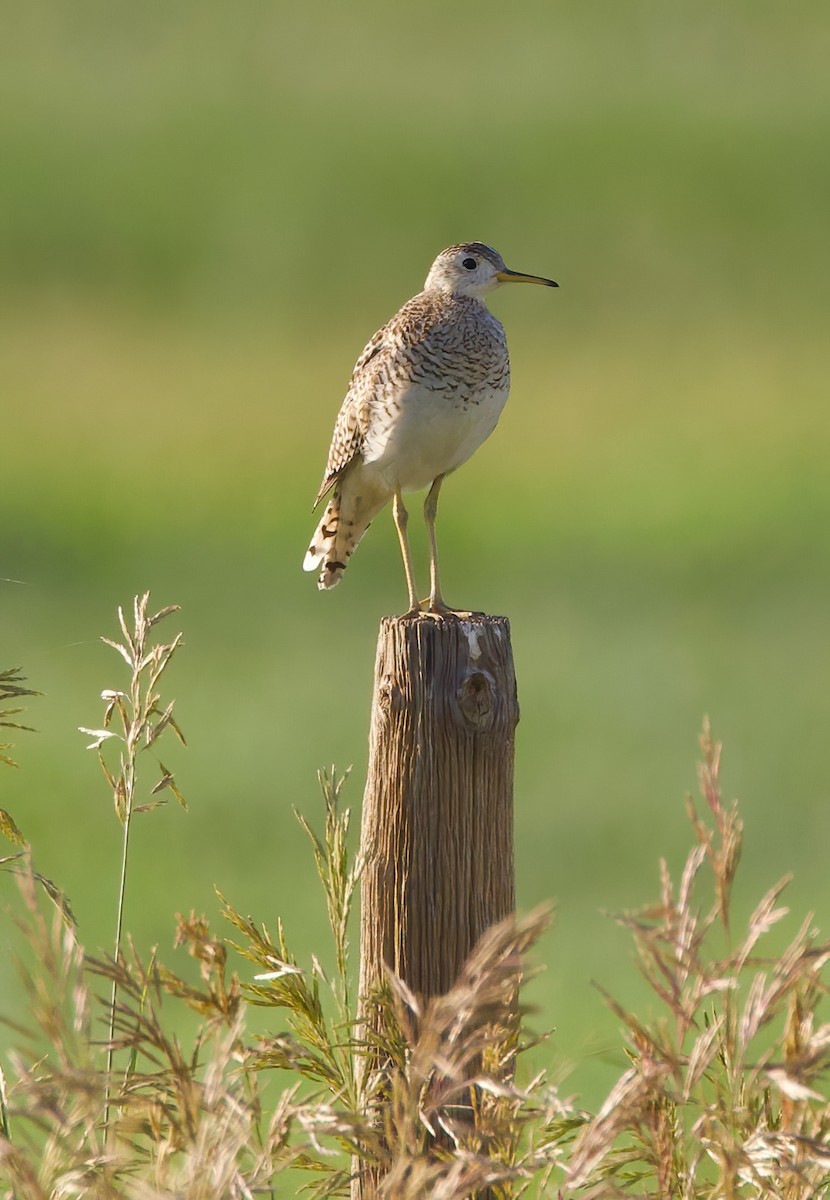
pixel 430 434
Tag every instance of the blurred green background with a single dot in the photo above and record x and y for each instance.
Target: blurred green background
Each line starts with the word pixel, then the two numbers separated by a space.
pixel 207 208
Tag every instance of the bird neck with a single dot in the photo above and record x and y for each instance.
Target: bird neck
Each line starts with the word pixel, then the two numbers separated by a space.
pixel 458 297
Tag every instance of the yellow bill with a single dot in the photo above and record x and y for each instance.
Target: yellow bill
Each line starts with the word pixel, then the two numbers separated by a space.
pixel 506 276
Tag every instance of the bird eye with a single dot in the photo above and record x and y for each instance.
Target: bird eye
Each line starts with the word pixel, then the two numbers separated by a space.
pixel 470 264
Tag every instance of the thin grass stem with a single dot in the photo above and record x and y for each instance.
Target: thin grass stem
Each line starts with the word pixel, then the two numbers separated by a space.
pixel 129 777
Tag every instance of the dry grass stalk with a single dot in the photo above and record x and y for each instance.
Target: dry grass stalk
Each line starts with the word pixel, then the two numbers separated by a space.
pixel 721 1098
pixel 11 688
pixel 20 860
pixel 437 1113
pixel 140 721
pixel 448 1115
pixel 55 1094
pixel 190 1123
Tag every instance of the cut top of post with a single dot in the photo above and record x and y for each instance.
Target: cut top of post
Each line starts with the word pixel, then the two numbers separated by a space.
pixel 465 665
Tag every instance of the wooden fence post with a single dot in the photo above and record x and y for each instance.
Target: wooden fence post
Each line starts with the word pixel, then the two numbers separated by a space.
pixel 437 831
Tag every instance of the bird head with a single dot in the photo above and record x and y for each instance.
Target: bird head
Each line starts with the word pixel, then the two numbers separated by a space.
pixel 473 269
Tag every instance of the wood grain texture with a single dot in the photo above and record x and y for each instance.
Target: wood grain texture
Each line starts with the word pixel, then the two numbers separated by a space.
pixel 437 832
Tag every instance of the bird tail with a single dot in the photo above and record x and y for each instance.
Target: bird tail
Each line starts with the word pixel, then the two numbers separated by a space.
pixel 346 519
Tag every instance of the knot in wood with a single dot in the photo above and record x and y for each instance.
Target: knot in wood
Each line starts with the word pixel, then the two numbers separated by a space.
pixel 388 696
pixel 478 700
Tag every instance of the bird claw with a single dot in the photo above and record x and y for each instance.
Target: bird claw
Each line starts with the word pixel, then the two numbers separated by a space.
pixel 435 607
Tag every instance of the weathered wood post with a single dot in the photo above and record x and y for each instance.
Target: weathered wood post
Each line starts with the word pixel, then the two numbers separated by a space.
pixel 437 831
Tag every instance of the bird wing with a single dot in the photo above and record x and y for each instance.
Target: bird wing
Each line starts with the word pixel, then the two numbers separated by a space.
pixel 378 361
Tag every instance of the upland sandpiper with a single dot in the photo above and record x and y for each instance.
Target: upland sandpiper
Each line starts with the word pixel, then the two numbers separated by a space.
pixel 427 390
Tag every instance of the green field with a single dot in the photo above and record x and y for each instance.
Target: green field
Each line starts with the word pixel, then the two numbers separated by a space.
pixel 206 210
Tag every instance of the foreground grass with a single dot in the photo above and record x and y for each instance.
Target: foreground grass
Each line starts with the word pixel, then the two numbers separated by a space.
pixel 721 1095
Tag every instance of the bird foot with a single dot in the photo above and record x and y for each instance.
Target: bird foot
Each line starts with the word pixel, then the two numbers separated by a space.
pixel 435 607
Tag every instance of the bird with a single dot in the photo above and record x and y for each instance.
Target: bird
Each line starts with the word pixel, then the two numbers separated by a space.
pixel 426 391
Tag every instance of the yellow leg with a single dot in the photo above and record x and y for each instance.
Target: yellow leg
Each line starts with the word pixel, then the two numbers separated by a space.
pixel 401 518
pixel 436 600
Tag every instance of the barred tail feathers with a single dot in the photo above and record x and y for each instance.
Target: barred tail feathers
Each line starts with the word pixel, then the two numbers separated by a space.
pixel 346 519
